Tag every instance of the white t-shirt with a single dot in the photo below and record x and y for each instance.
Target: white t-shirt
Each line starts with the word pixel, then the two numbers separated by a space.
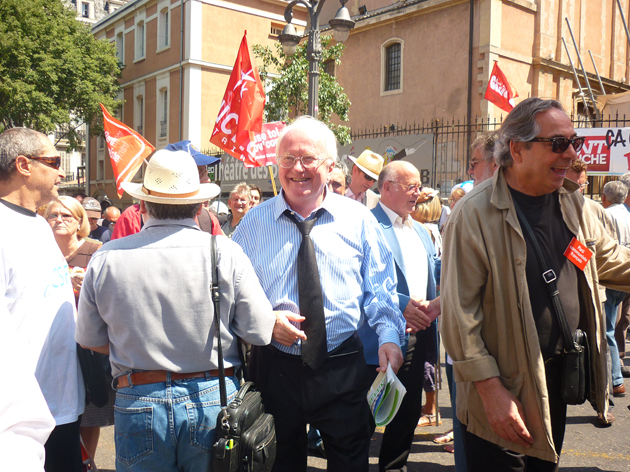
pixel 25 421
pixel 37 301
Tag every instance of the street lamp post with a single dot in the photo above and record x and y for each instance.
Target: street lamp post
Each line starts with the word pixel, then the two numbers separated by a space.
pixel 341 24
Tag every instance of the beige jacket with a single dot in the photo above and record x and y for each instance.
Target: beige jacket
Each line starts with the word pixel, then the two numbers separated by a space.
pixel 487 322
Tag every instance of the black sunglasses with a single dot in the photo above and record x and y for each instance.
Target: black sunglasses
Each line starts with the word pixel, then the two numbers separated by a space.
pixel 561 144
pixel 53 161
pixel 368 177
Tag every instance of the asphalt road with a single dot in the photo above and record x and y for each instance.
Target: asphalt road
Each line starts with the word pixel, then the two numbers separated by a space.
pixel 587 448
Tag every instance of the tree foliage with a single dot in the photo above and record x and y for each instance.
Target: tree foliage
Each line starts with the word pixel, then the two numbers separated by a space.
pixel 290 88
pixel 53 72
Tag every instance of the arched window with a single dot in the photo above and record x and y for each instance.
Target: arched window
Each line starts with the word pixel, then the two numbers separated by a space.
pixel 393 67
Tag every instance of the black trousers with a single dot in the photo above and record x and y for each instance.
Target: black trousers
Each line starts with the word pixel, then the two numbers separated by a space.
pixel 331 399
pixel 63 449
pixel 398 436
pixel 482 455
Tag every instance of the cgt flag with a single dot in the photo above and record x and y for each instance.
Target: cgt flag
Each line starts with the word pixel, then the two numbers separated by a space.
pixel 127 149
pixel 499 90
pixel 241 111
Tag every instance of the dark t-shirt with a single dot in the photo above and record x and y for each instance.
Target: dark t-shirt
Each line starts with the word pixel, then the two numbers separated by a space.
pixel 97 233
pixel 544 216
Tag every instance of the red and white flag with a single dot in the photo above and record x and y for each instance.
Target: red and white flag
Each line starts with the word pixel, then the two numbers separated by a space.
pixel 127 149
pixel 499 90
pixel 241 112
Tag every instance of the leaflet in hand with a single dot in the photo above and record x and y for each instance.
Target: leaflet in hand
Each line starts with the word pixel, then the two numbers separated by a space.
pixel 385 396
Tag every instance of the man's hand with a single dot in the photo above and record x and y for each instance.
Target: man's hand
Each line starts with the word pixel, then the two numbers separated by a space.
pixel 430 309
pixel 416 319
pixel 283 331
pixel 389 352
pixel 504 412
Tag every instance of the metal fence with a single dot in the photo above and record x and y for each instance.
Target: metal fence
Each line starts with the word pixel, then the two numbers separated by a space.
pixel 452 139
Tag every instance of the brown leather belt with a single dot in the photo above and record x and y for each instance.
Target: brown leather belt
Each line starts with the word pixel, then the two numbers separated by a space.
pixel 157 376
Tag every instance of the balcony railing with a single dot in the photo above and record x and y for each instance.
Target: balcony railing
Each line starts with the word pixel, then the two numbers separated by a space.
pixel 163 129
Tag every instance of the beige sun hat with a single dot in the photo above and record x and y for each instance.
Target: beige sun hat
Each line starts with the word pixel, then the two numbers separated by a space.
pixel 171 178
pixel 369 162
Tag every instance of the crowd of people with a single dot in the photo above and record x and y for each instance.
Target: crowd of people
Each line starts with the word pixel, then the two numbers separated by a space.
pixel 327 284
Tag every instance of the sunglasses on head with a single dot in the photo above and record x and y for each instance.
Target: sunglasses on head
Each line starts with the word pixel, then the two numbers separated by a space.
pixel 561 144
pixel 53 161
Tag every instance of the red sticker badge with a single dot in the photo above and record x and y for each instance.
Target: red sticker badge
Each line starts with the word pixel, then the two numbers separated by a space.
pixel 578 253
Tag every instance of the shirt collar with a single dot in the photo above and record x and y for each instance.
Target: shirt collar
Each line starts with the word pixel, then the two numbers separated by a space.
pixel 328 204
pixel 189 222
pixel 18 208
pixel 350 194
pixel 395 217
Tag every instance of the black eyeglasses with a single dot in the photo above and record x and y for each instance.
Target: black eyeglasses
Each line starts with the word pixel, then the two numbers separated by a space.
pixel 561 144
pixel 52 161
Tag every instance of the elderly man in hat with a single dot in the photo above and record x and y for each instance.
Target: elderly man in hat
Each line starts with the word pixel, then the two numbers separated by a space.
pixel 364 174
pixel 131 221
pixel 146 301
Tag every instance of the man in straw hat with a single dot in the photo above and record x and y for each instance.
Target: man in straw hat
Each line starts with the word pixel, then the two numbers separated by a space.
pixel 364 174
pixel 146 301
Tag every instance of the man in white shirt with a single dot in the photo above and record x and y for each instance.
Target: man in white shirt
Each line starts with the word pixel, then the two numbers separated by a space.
pixel 416 269
pixel 36 296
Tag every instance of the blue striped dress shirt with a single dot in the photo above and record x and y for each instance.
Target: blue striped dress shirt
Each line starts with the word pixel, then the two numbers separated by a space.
pixel 355 265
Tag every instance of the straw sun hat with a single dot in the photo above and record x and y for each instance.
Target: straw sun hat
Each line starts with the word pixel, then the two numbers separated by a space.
pixel 171 178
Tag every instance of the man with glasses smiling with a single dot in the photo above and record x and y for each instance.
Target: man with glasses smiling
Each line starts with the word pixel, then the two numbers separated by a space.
pixel 37 301
pixel 326 269
pixel 499 321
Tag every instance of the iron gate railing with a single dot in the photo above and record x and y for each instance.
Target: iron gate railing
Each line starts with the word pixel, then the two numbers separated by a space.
pixel 451 140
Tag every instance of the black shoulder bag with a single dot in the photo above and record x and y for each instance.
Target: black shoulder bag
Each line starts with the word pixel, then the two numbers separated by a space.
pixel 245 436
pixel 576 365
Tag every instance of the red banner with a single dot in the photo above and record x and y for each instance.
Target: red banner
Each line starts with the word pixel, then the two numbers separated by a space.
pixel 241 112
pixel 499 90
pixel 127 149
pixel 262 150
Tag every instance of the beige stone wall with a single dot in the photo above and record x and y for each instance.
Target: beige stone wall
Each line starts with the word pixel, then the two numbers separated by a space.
pixel 434 73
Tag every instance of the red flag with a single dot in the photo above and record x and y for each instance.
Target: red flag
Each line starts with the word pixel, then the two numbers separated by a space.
pixel 241 112
pixel 127 149
pixel 499 90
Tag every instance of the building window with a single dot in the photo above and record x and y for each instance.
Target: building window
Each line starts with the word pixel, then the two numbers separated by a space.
pixel 140 114
pixel 120 47
pixel 164 37
pixel 393 66
pixel 276 30
pixel 164 114
pixel 139 40
pixel 85 10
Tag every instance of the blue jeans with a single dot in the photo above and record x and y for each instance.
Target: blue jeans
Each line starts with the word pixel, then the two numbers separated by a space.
pixel 613 299
pixel 168 426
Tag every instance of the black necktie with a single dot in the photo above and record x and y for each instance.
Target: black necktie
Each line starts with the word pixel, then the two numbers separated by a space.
pixel 314 349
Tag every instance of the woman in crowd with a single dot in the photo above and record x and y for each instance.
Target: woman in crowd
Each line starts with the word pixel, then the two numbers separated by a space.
pixel 70 226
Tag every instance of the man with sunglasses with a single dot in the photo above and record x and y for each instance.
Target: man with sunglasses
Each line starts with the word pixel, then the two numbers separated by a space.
pixel 363 177
pixel 37 300
pixel 499 321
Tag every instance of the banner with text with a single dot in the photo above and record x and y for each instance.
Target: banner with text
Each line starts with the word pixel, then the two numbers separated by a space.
pixel 606 151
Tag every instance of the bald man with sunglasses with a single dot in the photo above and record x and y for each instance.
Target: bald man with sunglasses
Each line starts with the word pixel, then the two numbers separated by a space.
pixel 36 296
pixel 499 322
